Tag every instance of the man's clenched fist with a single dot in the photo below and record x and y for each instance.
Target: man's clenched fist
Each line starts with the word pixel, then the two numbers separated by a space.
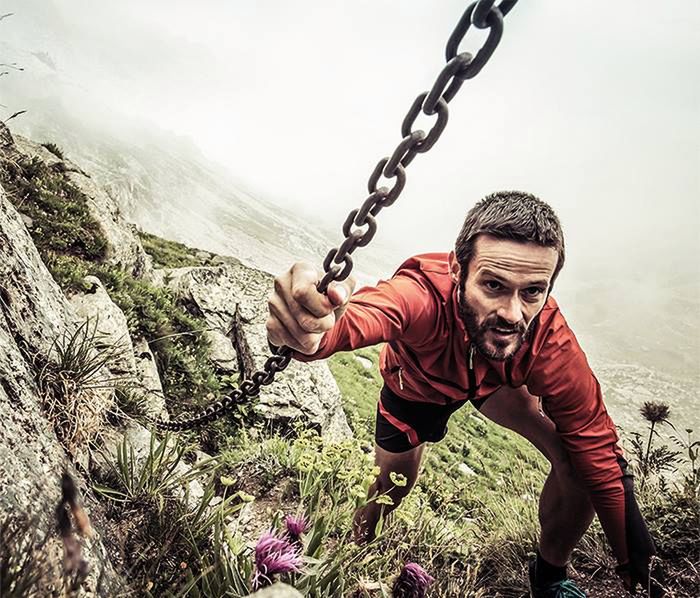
pixel 299 314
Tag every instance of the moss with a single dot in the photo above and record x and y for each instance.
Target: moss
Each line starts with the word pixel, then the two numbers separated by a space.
pixel 169 254
pixel 62 224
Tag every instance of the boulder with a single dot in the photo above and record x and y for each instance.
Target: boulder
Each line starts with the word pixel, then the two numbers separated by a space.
pixel 111 330
pixel 222 352
pixel 149 380
pixel 131 368
pixel 232 298
pixel 33 313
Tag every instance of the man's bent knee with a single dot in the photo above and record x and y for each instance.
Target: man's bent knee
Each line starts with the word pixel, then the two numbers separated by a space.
pixel 406 464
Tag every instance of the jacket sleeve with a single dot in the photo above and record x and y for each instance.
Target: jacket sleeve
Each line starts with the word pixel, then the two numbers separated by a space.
pixel 571 396
pixel 402 307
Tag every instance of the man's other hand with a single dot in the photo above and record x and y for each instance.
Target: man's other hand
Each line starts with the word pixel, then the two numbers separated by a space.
pixel 299 314
pixel 635 574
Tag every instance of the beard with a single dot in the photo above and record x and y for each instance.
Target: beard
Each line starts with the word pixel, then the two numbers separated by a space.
pixel 497 349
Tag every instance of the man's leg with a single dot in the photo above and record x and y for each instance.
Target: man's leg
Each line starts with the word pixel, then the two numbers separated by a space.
pixel 565 509
pixel 406 463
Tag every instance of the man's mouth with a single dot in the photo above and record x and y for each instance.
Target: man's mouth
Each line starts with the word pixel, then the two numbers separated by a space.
pixel 504 332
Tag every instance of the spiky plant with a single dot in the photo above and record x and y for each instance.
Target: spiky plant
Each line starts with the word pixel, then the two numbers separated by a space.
pixel 412 582
pixel 655 413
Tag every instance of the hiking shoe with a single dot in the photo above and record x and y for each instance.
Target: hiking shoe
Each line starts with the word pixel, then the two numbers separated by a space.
pixel 565 588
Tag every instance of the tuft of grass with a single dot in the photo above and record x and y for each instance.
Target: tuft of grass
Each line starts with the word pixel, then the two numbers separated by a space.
pixel 21 564
pixel 54 149
pixel 163 538
pixel 76 385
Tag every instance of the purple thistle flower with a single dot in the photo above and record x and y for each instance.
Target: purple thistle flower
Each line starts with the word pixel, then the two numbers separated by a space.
pixel 412 582
pixel 296 526
pixel 274 555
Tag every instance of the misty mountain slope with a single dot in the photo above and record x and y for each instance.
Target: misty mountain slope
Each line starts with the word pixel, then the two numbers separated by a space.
pixel 640 331
pixel 161 181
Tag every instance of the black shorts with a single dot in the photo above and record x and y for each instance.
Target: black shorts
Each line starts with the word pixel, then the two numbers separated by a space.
pixel 403 425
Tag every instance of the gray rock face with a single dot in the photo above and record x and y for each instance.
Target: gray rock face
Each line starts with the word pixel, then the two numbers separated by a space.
pixel 111 328
pixel 34 306
pixel 33 311
pixel 149 379
pixel 233 300
pixel 222 352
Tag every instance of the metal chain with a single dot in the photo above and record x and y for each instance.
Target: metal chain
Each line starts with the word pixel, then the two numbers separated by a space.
pixel 360 225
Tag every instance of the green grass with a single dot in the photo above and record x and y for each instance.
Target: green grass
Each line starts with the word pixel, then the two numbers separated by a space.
pixel 169 254
pixel 359 388
pixel 62 224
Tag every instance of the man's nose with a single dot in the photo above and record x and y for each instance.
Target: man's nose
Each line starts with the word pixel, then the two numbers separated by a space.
pixel 511 310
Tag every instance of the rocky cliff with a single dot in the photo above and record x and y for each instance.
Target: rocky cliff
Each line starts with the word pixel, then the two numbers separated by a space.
pixel 83 333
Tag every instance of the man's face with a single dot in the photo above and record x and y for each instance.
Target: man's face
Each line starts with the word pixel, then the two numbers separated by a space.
pixel 505 288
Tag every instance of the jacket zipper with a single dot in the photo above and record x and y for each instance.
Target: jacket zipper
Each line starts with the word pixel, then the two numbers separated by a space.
pixel 470 371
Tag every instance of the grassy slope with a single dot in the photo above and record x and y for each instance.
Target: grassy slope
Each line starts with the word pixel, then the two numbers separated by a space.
pixel 471 531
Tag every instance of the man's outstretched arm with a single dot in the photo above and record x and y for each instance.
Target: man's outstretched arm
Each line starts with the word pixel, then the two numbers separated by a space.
pixel 317 326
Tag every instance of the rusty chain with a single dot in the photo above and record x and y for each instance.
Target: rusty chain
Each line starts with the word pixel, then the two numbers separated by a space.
pixel 360 225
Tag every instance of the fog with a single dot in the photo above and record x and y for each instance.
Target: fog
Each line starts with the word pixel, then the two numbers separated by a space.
pixel 592 106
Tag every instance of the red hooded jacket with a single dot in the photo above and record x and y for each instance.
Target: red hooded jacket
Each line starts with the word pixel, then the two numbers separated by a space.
pixel 428 357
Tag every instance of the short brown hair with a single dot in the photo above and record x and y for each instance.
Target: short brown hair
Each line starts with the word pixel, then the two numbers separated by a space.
pixel 513 215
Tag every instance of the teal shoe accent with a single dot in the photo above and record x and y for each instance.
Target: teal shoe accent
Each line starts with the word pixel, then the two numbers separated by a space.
pixel 565 588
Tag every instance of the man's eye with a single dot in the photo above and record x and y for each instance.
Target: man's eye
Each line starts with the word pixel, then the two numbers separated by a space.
pixel 533 292
pixel 493 285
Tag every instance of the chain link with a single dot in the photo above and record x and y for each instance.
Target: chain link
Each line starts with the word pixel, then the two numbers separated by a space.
pixel 360 225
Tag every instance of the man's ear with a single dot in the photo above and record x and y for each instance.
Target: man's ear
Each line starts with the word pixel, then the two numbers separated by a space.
pixel 454 267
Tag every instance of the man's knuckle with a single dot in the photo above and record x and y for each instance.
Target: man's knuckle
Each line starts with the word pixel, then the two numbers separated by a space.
pixel 299 293
pixel 308 323
pixel 310 344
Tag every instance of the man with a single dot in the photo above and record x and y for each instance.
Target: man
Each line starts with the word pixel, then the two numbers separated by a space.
pixel 479 325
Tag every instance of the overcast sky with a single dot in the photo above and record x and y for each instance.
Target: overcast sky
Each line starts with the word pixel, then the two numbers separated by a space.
pixel 594 106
